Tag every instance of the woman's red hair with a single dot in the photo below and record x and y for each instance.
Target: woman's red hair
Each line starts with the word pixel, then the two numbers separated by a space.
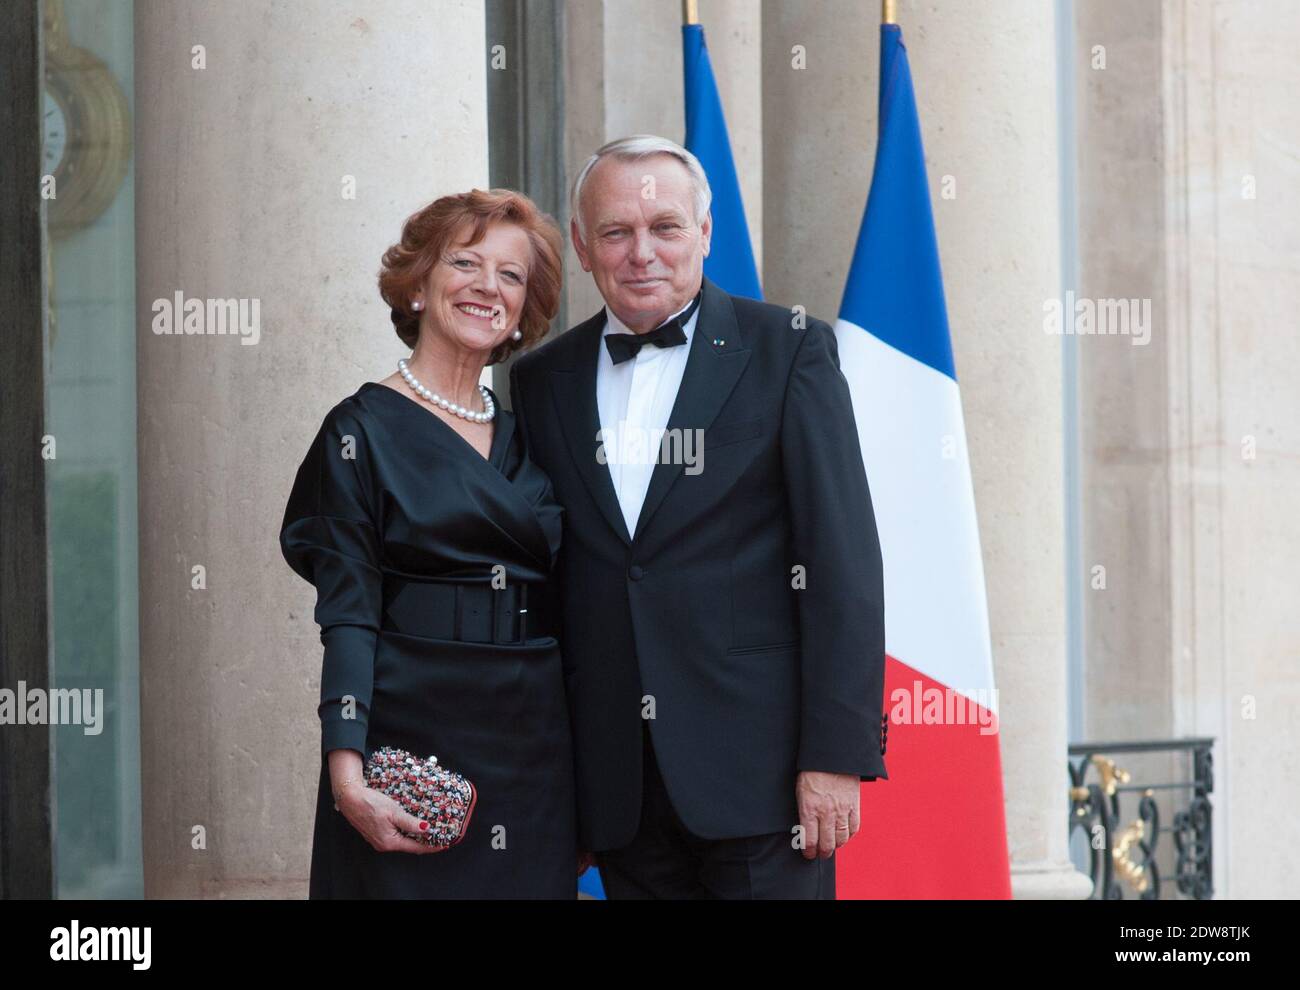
pixel 465 217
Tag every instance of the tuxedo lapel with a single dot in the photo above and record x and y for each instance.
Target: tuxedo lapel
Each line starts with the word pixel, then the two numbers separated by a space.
pixel 717 360
pixel 573 390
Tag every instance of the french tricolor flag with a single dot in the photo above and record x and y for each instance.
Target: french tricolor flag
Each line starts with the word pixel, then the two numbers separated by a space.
pixel 936 828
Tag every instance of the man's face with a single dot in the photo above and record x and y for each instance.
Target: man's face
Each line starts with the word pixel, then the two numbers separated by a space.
pixel 643 246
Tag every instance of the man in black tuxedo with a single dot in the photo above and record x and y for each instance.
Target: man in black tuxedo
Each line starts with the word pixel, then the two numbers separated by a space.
pixel 723 612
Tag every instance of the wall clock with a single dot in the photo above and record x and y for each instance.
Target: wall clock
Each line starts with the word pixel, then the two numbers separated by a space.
pixel 87 129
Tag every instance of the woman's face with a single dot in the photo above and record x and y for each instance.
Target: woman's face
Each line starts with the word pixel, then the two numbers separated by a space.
pixel 475 294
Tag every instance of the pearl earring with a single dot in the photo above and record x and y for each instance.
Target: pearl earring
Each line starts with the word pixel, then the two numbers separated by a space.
pixel 517 335
pixel 417 306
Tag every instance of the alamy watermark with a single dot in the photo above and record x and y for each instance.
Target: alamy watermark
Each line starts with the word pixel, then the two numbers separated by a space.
pixel 632 444
pixel 195 316
pixel 58 706
pixel 920 705
pixel 1083 315
pixel 102 944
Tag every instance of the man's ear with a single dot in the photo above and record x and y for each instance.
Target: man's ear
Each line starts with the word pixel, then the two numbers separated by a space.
pixel 579 245
pixel 706 232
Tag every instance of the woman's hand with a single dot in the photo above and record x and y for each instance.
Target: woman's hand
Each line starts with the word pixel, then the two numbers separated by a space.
pixel 380 820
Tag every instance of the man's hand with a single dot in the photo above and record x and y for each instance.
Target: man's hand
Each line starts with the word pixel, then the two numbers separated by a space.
pixel 828 810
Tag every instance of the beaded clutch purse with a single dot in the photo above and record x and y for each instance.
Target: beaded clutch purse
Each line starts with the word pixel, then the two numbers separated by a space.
pixel 443 798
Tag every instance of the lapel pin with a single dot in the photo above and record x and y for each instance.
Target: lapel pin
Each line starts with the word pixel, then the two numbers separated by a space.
pixel 717 342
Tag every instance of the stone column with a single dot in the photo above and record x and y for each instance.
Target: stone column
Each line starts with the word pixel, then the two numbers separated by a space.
pixel 1124 379
pixel 243 174
pixel 1189 453
pixel 985 83
pixel 1232 270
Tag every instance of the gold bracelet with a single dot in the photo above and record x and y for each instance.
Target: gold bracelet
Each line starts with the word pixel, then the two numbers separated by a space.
pixel 343 784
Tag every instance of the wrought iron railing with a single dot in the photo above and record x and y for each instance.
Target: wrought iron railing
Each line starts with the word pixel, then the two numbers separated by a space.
pixel 1123 847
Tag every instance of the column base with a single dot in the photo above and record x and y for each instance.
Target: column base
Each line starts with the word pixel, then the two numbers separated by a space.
pixel 1049 881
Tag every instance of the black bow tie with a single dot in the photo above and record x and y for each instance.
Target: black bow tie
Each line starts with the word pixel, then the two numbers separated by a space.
pixel 623 346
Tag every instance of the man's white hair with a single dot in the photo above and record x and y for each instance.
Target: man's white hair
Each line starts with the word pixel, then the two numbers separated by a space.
pixel 636 147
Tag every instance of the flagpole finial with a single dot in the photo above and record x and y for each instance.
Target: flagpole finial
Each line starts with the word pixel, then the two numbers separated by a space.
pixel 888 12
pixel 690 12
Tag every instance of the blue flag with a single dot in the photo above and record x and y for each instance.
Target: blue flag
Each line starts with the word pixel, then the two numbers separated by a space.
pixel 589 884
pixel 731 258
pixel 894 288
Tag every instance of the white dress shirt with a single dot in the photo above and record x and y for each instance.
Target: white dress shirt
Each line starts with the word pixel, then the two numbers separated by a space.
pixel 635 399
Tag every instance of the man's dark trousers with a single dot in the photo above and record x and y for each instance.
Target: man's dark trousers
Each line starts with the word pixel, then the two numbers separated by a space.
pixel 673 864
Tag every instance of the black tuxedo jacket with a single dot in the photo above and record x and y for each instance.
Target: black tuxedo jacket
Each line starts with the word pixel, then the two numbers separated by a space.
pixel 748 605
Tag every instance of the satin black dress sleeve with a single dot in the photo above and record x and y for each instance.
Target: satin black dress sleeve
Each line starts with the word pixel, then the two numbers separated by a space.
pixel 330 537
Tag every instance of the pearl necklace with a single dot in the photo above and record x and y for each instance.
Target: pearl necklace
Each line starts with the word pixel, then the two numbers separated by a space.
pixel 489 407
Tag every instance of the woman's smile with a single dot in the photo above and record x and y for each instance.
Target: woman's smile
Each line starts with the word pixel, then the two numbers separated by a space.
pixel 475 310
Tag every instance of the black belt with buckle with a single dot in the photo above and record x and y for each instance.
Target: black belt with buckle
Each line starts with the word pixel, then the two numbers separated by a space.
pixel 467 613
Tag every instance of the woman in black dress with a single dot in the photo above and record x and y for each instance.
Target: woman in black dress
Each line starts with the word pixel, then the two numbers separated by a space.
pixel 430 537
